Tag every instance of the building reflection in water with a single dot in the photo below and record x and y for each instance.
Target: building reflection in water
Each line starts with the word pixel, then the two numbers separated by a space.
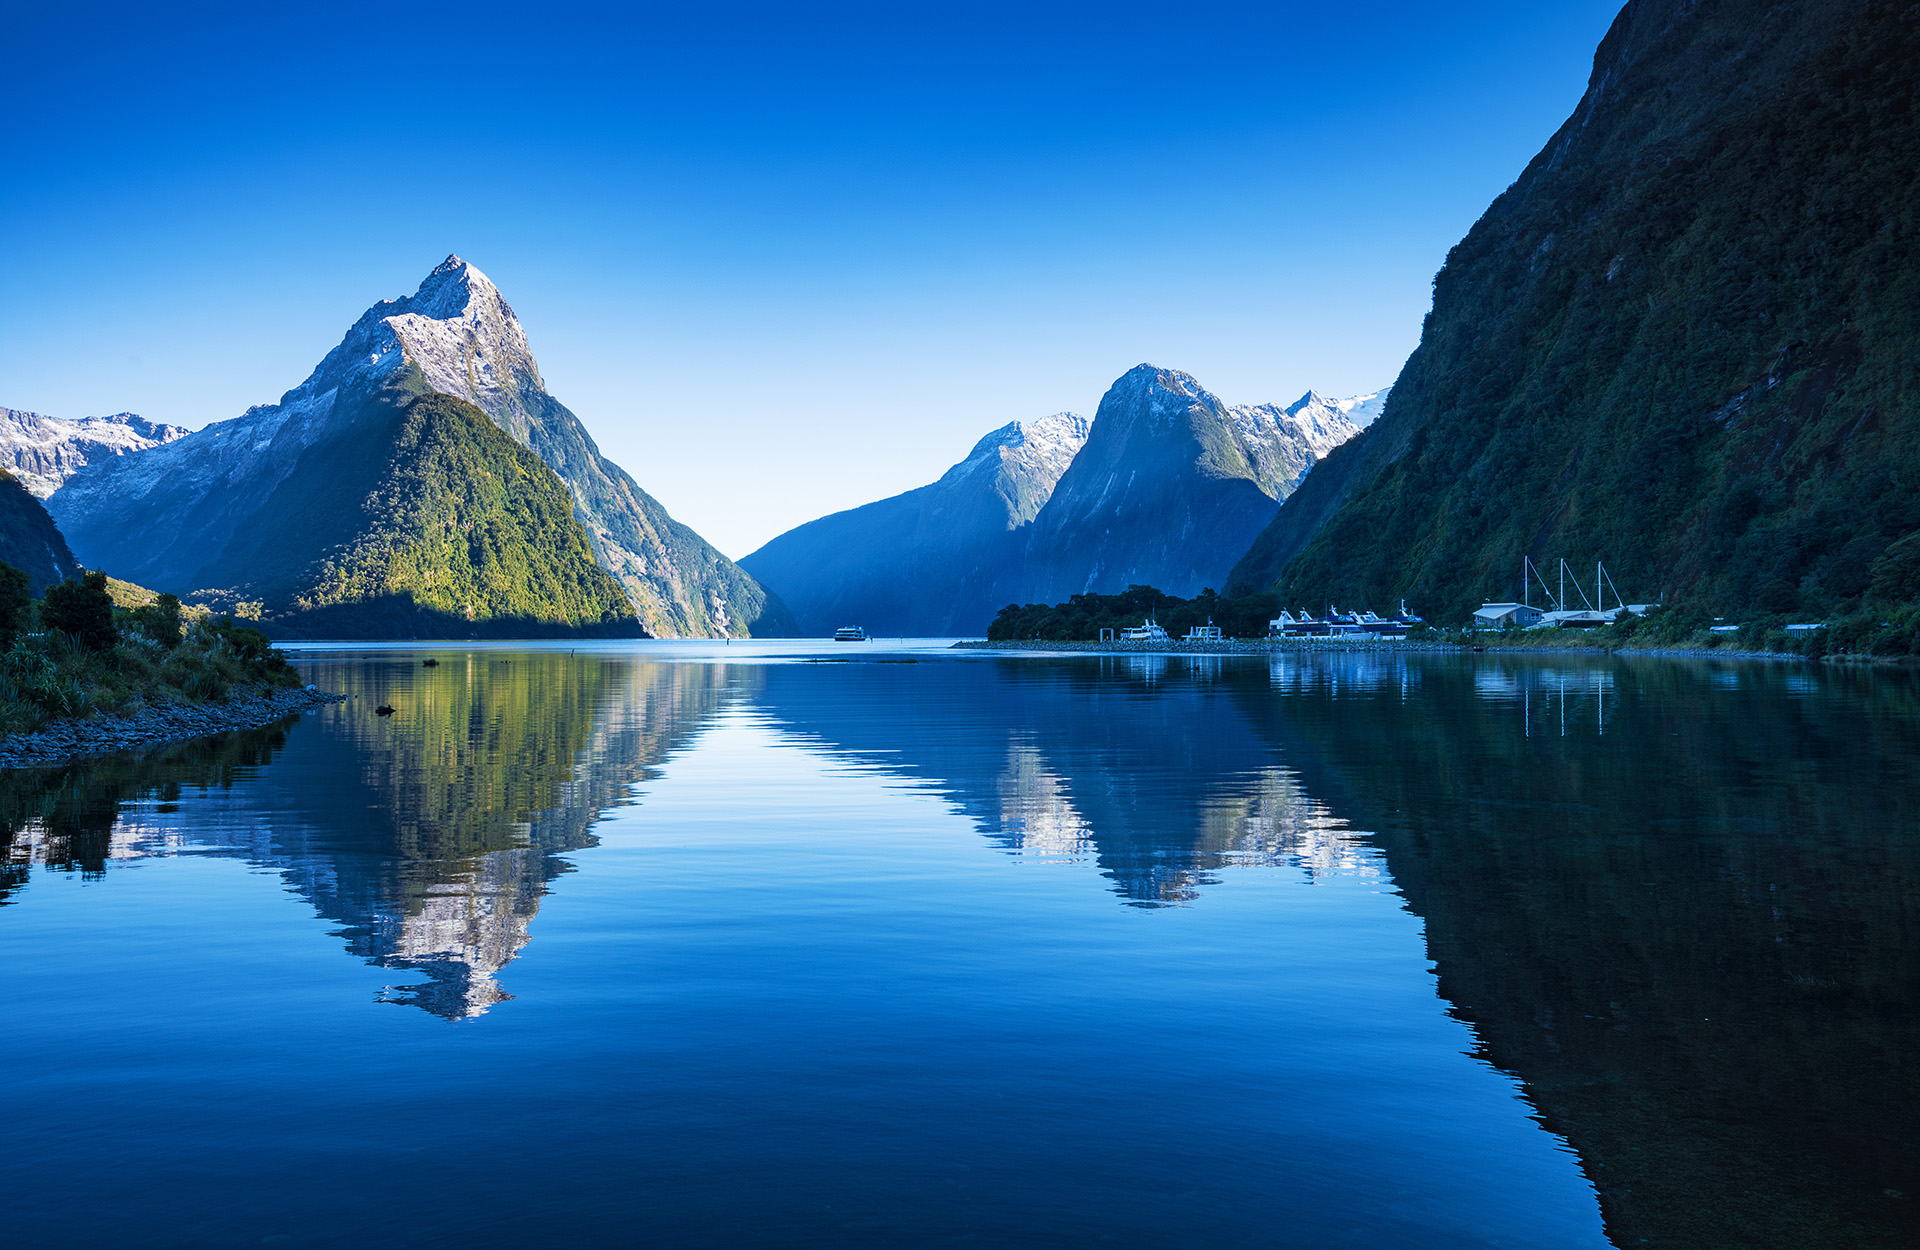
pixel 1677 901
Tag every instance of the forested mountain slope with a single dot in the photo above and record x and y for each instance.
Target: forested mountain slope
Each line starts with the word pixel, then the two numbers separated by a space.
pixel 418 517
pixel 1685 341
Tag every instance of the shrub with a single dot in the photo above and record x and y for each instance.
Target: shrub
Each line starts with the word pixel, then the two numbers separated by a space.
pixel 159 620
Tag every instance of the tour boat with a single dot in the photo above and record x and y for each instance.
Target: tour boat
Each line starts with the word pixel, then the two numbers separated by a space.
pixel 850 633
pixel 1146 631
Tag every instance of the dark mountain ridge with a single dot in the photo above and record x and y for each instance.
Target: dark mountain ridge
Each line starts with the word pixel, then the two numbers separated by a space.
pixel 29 540
pixel 1170 488
pixel 1684 341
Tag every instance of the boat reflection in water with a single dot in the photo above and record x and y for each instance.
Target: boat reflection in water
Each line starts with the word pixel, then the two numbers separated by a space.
pixel 1675 900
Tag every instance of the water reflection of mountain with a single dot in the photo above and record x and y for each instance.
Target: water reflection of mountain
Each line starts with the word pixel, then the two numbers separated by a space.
pixel 429 836
pixel 1681 903
pixel 1095 759
pixel 70 819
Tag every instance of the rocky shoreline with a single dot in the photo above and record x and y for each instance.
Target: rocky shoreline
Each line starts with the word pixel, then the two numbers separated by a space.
pixel 62 741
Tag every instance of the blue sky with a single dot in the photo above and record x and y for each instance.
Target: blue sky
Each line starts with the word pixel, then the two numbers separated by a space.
pixel 782 259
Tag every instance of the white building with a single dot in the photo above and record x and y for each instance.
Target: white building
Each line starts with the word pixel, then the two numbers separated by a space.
pixel 1501 615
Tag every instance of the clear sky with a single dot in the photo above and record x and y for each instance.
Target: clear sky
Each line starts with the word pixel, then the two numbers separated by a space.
pixel 784 258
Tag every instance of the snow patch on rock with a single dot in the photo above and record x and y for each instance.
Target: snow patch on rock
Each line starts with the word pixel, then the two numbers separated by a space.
pixel 43 452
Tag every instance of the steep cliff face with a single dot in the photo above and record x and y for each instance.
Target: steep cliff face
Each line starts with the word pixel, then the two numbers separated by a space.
pixel 1170 488
pixel 43 452
pixel 167 516
pixel 1685 341
pixel 931 561
pixel 29 540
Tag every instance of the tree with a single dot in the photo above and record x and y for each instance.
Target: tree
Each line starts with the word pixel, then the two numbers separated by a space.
pixel 82 608
pixel 15 602
pixel 160 620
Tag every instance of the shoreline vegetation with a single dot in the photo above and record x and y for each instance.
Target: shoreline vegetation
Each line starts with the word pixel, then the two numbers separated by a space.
pixel 1889 633
pixel 1563 642
pixel 80 673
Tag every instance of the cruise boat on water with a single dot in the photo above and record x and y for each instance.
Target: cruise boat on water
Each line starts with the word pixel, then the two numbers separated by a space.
pixel 1342 624
pixel 850 633
pixel 1147 631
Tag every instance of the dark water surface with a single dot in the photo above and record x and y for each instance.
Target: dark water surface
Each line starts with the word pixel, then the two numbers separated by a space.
pixel 692 945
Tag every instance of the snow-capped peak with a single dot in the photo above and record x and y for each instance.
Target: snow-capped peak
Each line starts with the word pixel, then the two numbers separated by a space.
pixel 455 328
pixel 43 452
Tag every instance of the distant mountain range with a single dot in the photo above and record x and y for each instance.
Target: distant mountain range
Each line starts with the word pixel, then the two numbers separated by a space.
pixel 1167 485
pixel 189 513
pixel 43 452
pixel 1681 342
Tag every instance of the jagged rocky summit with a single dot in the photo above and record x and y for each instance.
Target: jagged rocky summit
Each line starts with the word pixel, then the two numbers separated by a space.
pixel 1166 486
pixel 929 562
pixel 188 514
pixel 44 451
pixel 1683 342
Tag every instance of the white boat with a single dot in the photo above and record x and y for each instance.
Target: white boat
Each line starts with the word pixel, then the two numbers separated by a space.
pixel 850 633
pixel 1146 631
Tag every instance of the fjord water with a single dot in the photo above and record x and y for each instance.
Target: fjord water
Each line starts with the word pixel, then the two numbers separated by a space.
pixel 787 945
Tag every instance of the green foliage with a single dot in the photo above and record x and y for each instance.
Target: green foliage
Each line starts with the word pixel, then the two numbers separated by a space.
pixel 54 676
pixel 1896 575
pixel 1683 342
pixel 1081 618
pixel 1887 633
pixel 246 642
pixel 423 518
pixel 159 620
pixel 16 603
pixel 83 609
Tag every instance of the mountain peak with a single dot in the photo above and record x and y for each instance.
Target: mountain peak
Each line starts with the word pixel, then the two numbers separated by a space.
pixel 460 333
pixel 452 287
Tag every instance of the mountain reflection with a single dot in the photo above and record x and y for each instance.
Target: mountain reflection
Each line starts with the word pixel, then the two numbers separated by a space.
pixel 428 837
pixel 1141 764
pixel 1679 901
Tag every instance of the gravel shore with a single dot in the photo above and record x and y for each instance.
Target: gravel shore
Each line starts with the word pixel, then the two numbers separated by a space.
pixel 61 741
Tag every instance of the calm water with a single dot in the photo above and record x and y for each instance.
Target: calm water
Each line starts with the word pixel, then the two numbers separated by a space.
pixel 692 945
